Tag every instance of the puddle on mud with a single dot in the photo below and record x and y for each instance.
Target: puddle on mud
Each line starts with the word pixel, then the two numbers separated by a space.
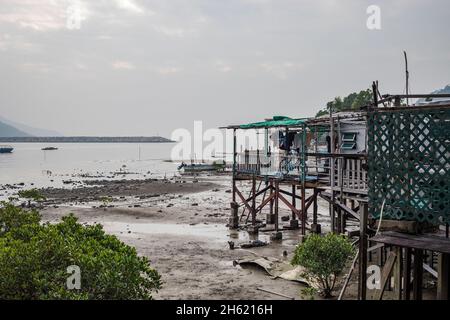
pixel 211 232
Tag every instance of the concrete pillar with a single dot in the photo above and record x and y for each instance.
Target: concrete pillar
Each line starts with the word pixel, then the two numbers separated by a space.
pixel 234 218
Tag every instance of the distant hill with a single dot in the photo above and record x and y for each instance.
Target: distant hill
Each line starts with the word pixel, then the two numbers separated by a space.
pixel 7 130
pixel 435 101
pixel 30 130
pixel 443 90
pixel 31 139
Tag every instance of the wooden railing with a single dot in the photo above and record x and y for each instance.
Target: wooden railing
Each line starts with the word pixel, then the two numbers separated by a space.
pixel 351 174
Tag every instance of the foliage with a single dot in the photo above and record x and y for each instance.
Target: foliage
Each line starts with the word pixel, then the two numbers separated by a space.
pixel 309 293
pixel 105 201
pixel 31 194
pixel 324 258
pixel 34 257
pixel 353 101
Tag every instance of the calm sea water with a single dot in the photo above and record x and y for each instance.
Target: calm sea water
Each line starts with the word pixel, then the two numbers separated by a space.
pixel 75 161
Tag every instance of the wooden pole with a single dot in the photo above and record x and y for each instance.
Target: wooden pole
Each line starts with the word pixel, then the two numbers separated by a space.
pixel 362 287
pixel 234 165
pixel 293 202
pixel 303 179
pixel 271 199
pixel 443 277
pixel 303 210
pixel 398 273
pixel 277 191
pixel 418 274
pixel 254 200
pixel 332 169
pixel 315 206
pixel 407 275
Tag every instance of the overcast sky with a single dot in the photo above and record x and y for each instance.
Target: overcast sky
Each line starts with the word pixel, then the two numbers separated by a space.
pixel 142 67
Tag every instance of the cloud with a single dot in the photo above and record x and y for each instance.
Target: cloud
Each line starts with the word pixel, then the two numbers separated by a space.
pixel 34 67
pixel 131 6
pixel 44 15
pixel 168 70
pixel 281 70
pixel 172 31
pixel 123 65
pixel 222 66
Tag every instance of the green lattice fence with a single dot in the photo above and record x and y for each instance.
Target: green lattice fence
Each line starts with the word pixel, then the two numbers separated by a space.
pixel 409 163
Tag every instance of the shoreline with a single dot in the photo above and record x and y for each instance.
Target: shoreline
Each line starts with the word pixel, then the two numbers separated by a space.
pixel 86 139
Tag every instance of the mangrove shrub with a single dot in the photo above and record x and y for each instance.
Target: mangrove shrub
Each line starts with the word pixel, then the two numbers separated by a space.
pixel 324 258
pixel 34 258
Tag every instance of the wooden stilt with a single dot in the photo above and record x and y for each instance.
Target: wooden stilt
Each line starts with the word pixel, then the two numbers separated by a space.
pixel 362 288
pixel 254 201
pixel 271 201
pixel 407 275
pixel 293 202
pixel 303 209
pixel 443 286
pixel 418 274
pixel 315 208
pixel 277 193
pixel 398 273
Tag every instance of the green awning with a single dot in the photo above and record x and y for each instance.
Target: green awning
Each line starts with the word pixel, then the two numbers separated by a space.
pixel 277 121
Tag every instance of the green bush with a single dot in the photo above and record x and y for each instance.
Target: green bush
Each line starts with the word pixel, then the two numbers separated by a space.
pixel 31 194
pixel 34 258
pixel 324 258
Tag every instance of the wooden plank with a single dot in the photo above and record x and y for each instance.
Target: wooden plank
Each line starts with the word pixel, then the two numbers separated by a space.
pixel 385 274
pixel 398 273
pixel 443 286
pixel 254 201
pixel 364 177
pixel 326 196
pixel 258 193
pixel 407 274
pixel 417 274
pixel 276 293
pixel 289 205
pixel 264 203
pixel 358 174
pixel 430 270
pixel 362 278
pixel 277 194
pixel 243 199
pixel 349 275
pixel 421 242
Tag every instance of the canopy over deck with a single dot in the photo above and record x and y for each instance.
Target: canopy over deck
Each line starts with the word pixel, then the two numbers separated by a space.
pixel 276 121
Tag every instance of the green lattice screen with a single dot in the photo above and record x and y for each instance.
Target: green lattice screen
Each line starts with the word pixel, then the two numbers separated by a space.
pixel 409 163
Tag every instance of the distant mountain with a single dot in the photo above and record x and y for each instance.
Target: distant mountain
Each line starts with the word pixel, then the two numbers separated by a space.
pixel 443 91
pixel 434 101
pixel 29 139
pixel 31 131
pixel 7 130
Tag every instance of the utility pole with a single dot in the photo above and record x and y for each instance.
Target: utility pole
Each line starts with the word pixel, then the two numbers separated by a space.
pixel 407 77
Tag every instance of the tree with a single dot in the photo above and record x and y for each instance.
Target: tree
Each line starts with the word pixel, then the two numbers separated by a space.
pixel 353 101
pixel 34 258
pixel 324 258
pixel 31 194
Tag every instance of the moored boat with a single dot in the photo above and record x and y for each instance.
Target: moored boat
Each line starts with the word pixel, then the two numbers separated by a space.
pixel 6 149
pixel 49 148
pixel 201 167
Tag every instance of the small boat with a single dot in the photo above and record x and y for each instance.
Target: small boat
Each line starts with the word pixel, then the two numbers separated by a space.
pixel 6 149
pixel 201 167
pixel 49 148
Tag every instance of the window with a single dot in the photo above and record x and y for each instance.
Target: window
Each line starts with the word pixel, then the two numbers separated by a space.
pixel 348 141
pixel 349 137
pixel 348 145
